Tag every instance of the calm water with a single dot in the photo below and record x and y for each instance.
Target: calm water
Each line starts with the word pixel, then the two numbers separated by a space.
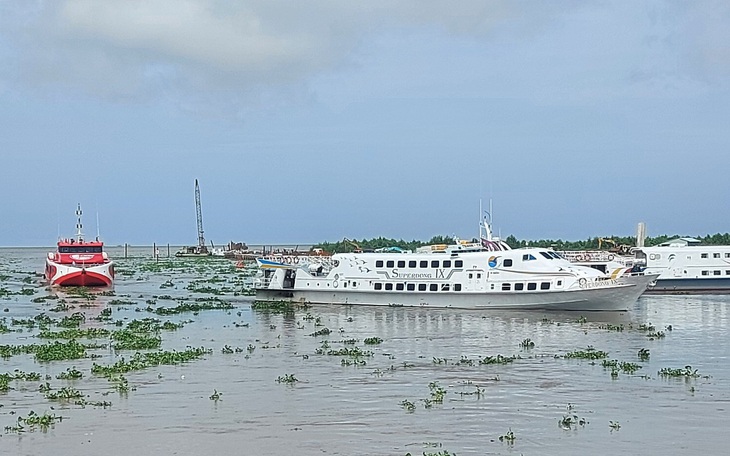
pixel 356 410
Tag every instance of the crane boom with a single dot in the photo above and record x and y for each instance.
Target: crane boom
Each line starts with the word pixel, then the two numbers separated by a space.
pixel 199 214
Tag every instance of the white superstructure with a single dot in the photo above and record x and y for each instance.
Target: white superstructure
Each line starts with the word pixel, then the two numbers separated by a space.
pixel 685 266
pixel 462 275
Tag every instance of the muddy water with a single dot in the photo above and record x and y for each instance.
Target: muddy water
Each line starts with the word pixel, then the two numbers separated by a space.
pixel 336 408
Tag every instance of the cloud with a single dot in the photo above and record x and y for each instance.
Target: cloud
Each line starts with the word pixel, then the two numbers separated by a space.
pixel 197 50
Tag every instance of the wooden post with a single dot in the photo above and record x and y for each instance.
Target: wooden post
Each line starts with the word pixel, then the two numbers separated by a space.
pixel 125 250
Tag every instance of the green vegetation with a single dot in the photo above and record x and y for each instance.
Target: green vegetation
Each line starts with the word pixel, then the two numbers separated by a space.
pixel 559 244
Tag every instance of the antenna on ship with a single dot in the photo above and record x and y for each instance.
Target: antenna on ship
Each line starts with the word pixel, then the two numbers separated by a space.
pixel 79 226
pixel 98 235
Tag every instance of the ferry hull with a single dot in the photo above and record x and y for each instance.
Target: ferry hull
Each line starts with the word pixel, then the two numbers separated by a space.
pixel 617 298
pixel 66 275
pixel 691 286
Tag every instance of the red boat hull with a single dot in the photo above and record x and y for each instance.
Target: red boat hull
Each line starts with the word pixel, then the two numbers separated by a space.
pixel 83 278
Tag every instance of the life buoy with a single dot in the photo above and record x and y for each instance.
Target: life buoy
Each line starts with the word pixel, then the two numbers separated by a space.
pixel 588 257
pixel 579 258
pixel 582 282
pixel 611 257
pixel 295 260
pixel 335 284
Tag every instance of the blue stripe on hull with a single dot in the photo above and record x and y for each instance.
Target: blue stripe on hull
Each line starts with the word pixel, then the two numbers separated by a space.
pixel 696 286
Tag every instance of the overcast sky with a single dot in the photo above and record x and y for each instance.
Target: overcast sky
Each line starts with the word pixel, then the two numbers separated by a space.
pixel 313 121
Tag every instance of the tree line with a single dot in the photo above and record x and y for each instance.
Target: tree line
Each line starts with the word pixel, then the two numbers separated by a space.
pixel 592 243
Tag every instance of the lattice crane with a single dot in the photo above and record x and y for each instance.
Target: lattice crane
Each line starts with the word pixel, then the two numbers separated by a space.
pixel 199 215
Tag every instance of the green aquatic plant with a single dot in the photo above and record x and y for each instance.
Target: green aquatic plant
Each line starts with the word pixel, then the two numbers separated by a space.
pixel 124 339
pixel 75 333
pixel 626 367
pixel 34 420
pixel 64 394
pixel 141 361
pixel 643 354
pixel 216 396
pixel 687 372
pixel 321 332
pixel 71 373
pixel 56 351
pixel 408 405
pixel 509 437
pixel 527 343
pixel 614 425
pixel 499 359
pixel 373 340
pixel 287 378
pixel 278 307
pixel 588 353
pixel 437 392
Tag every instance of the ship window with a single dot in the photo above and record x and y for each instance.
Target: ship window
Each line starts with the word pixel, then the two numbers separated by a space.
pixel 435 263
pixel 412 264
pixel 421 287
pixel 423 264
pixel 560 282
pixel 458 264
pixel 519 286
pixel 344 284
pixel 354 284
pixel 457 286
pixel 390 264
pixel 506 287
pixel 544 285
pixel 479 275
pixel 433 287
pixel 555 255
pixel 507 263
pixel 470 275
pixel 705 272
pixel 545 254
pixel 411 287
pixel 718 272
pixel 399 286
pixel 492 287
pixel 727 255
pixel 532 286
pixel 379 264
pixel 378 286
pixel 401 264
pixel 388 286
pixel 704 255
pixel 727 271
pixel 528 257
pixel 715 255
pixel 447 263
pixel 445 287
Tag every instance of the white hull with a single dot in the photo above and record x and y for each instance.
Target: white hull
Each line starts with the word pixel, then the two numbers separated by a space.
pixel 608 299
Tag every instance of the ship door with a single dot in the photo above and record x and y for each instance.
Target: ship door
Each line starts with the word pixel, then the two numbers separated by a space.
pixel 289 278
pixel 475 279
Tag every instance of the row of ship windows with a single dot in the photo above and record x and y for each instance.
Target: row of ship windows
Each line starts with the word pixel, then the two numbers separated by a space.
pixel 507 262
pixel 658 256
pixel 421 264
pixel 715 272
pixel 519 286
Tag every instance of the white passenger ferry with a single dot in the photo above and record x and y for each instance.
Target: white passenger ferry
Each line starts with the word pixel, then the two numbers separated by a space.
pixel 463 275
pixel 686 266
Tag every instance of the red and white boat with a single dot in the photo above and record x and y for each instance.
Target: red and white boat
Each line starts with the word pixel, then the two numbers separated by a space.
pixel 79 263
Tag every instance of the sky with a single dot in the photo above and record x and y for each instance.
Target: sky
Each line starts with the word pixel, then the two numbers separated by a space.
pixel 313 121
